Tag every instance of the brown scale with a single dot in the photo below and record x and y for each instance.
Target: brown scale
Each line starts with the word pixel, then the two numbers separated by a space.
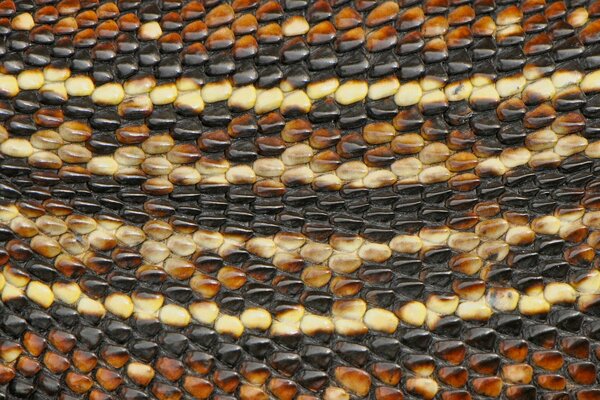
pixel 223 28
pixel 382 14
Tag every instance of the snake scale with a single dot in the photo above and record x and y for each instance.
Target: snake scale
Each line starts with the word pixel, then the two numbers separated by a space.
pixel 300 199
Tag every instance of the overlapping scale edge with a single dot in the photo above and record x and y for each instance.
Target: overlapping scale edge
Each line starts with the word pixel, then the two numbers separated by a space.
pixel 299 199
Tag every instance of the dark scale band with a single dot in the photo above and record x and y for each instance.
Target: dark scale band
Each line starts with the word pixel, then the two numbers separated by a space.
pixel 299 200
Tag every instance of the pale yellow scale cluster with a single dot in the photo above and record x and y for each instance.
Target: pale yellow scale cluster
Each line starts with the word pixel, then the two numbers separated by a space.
pixel 186 93
pixel 320 264
pixel 168 164
pixel 349 317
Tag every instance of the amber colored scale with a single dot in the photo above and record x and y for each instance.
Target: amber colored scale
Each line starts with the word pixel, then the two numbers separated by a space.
pixel 299 199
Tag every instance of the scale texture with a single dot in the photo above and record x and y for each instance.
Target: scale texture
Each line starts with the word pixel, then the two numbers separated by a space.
pixel 294 199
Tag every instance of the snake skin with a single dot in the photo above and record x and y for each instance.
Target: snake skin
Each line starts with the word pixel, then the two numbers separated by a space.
pixel 299 199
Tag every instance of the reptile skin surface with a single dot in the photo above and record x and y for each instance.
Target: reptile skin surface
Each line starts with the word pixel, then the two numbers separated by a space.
pixel 300 199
